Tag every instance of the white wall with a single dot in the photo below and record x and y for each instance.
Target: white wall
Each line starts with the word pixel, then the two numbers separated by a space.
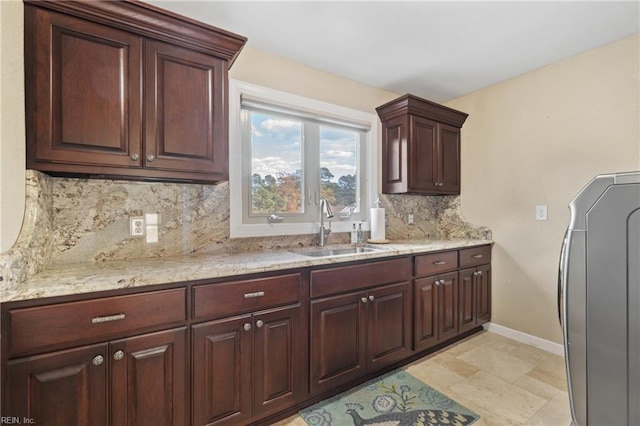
pixel 12 128
pixel 538 139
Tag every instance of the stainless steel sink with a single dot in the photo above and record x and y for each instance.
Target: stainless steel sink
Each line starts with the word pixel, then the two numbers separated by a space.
pixel 337 251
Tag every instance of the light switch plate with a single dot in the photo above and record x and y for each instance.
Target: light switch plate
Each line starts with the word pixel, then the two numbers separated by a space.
pixel 152 234
pixel 541 212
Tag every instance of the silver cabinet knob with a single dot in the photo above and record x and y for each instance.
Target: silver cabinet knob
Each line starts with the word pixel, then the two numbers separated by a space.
pixel 364 300
pixel 98 360
pixel 150 158
pixel 247 327
pixel 372 298
pixel 259 323
pixel 135 157
pixel 118 355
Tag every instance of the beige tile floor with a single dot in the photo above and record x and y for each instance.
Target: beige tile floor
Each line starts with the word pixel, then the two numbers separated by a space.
pixel 504 381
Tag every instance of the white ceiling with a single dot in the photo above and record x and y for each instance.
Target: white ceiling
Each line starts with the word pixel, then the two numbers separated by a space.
pixel 436 49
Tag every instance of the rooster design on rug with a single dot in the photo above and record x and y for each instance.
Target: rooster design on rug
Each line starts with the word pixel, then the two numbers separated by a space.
pixel 413 418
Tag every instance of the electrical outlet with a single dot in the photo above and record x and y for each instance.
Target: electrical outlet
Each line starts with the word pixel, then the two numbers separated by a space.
pixel 136 226
pixel 410 219
pixel 541 212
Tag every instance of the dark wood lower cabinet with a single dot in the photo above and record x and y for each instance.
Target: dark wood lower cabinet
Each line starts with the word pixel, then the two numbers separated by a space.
pixel 475 296
pixel 357 332
pixel 149 379
pixel 222 371
pixel 144 375
pixel 436 309
pixel 389 325
pixel 60 388
pixel 245 351
pixel 247 366
pixel 338 340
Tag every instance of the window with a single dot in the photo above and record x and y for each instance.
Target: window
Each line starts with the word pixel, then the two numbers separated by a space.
pixel 294 151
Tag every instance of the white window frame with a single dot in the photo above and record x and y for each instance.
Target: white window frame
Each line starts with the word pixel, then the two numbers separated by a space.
pixel 238 229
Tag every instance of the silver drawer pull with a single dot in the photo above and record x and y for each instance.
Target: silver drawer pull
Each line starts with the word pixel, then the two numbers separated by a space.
pixel 439 262
pixel 254 295
pixel 477 256
pixel 97 360
pixel 98 320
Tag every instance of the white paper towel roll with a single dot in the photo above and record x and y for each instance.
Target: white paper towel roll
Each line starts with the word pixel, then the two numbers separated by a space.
pixel 377 224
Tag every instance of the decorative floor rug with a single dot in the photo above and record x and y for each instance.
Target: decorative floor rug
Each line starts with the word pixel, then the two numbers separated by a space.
pixel 394 399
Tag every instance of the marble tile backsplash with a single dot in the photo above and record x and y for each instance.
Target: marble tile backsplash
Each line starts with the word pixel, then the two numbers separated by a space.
pixel 87 220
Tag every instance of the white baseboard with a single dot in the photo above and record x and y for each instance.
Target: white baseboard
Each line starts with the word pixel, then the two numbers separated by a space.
pixel 519 336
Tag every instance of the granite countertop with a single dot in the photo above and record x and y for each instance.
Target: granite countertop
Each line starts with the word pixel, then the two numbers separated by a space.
pixel 78 278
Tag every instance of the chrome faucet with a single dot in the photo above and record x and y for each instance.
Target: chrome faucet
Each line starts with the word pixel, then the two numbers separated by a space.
pixel 322 234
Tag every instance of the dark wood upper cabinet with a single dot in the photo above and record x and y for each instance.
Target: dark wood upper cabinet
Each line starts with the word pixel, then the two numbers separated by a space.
pixel 420 147
pixel 125 89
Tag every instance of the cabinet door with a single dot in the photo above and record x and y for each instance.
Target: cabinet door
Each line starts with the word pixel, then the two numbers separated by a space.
pixel 185 119
pixel 468 300
pixel 389 324
pixel 59 388
pixel 280 357
pixel 338 339
pixel 448 306
pixel 83 94
pixel 426 313
pixel 483 294
pixel 448 155
pixel 222 373
pixel 423 154
pixel 394 155
pixel 148 379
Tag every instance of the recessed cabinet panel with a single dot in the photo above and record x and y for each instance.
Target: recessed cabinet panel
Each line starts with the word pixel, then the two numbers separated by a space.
pixel 426 313
pixel 394 147
pixel 468 305
pixel 424 137
pixel 184 110
pixel 483 294
pixel 85 106
pixel 390 327
pixel 148 382
pixel 450 154
pixel 59 388
pixel 338 340
pixel 87 79
pixel 223 372
pixel 448 305
pixel 475 296
pixel 279 345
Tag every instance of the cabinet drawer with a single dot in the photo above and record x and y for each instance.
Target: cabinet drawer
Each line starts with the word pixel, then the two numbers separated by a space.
pixel 349 278
pixel 475 256
pixel 218 300
pixel 433 264
pixel 98 319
